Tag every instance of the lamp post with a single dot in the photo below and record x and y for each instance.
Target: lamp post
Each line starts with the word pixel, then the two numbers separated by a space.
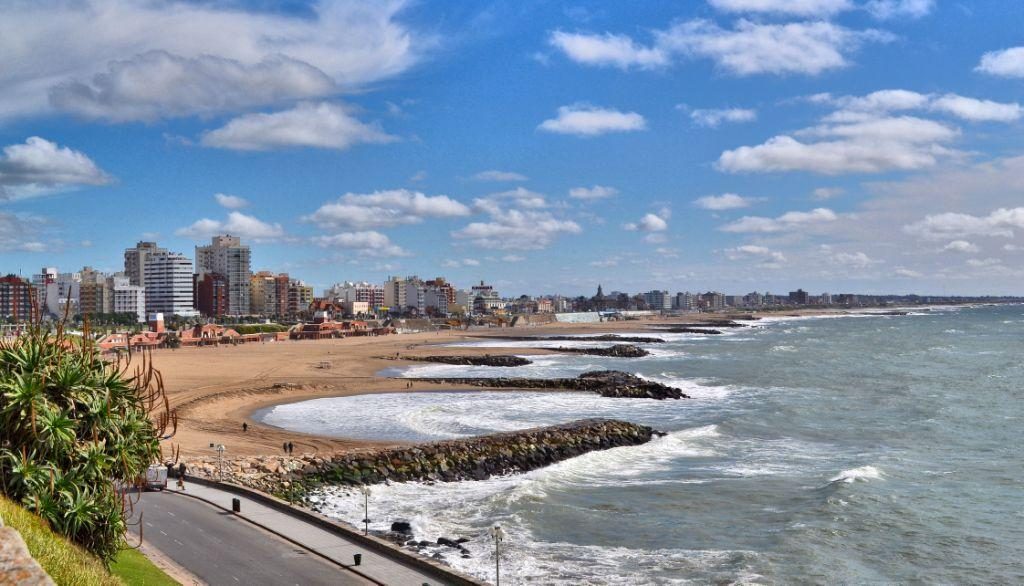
pixel 366 509
pixel 220 460
pixel 498 536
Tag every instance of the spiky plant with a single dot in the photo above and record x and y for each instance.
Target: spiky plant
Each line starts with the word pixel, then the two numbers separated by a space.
pixel 76 431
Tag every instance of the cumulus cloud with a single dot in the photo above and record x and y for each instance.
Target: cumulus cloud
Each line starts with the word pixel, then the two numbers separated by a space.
pixel 960 246
pixel 977 110
pixel 519 197
pixel 1000 222
pixel 231 202
pixel 823 193
pixel 201 57
pixel 983 262
pixel 593 192
pixel 1003 63
pixel 385 208
pixel 714 118
pixel 856 260
pixel 513 258
pixel 495 175
pixel 812 8
pixel 754 251
pixel 157 84
pixel 585 120
pixel 886 9
pixel 786 222
pixel 726 201
pixel 648 223
pixel 907 273
pixel 455 263
pixel 323 125
pixel 852 108
pixel 38 167
pixel 237 224
pixel 517 230
pixel 749 48
pixel 363 243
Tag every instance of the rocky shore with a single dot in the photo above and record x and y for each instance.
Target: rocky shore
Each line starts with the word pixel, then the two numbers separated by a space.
pixel 485 360
pixel 616 351
pixel 711 323
pixel 607 383
pixel 601 338
pixel 476 458
pixel 689 330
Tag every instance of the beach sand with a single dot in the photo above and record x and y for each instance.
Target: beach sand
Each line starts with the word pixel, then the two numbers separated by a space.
pixel 216 388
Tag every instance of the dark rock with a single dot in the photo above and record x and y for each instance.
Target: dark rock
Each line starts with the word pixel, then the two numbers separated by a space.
pixel 616 351
pixel 401 527
pixel 461 540
pixel 688 330
pixel 601 338
pixel 607 383
pixel 446 542
pixel 486 360
pixel 425 543
pixel 711 323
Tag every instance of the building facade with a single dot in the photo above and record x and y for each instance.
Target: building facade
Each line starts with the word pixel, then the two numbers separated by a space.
pixel 227 256
pixel 169 284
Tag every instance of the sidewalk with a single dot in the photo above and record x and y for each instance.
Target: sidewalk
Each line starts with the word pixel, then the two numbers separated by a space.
pixel 330 545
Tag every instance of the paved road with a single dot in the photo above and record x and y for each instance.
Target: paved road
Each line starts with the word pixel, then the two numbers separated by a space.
pixel 220 548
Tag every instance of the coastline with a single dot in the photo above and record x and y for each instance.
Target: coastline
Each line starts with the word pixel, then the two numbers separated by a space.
pixel 216 389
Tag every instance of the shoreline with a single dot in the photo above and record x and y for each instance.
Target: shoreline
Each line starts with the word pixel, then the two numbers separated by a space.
pixel 217 389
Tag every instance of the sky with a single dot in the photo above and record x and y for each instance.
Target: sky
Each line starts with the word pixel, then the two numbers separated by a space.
pixel 868 146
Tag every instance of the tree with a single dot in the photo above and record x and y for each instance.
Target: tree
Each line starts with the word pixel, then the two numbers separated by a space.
pixel 75 430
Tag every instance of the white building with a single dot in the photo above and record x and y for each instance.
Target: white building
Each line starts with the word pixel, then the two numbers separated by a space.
pixel 683 300
pixel 169 286
pixel 436 299
pixel 135 261
pixel 227 256
pixel 128 298
pixel 56 290
pixel 372 295
pixel 658 300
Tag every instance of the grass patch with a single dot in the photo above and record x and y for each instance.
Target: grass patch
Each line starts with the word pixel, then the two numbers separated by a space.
pixel 65 562
pixel 136 569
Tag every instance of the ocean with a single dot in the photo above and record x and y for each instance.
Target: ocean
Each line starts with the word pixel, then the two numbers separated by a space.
pixel 861 449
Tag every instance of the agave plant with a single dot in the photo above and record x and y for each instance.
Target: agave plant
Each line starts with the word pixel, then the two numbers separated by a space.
pixel 75 430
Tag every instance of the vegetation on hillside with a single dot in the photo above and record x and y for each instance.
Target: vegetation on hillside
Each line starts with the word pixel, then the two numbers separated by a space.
pixel 75 432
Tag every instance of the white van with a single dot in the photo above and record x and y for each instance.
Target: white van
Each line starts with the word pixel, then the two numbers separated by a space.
pixel 156 477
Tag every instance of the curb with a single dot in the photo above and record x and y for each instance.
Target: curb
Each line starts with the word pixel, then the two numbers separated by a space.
pixel 380 546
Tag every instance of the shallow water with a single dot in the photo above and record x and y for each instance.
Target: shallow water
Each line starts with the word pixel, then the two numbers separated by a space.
pixel 868 449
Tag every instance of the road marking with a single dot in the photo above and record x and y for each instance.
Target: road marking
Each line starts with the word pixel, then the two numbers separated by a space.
pixel 236 579
pixel 164 533
pixel 170 513
pixel 179 543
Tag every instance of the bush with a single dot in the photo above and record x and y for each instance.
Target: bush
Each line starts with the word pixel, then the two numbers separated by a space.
pixel 75 430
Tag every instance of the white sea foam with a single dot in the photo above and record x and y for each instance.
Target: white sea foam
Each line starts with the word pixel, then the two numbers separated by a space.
pixel 863 474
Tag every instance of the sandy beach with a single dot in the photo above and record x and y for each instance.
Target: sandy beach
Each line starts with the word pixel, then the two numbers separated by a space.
pixel 217 389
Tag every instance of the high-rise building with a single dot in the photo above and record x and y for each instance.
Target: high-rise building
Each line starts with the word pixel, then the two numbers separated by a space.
pixel 363 292
pixel 135 261
pixel 58 293
pixel 300 296
pixel 169 285
pixel 227 256
pixel 658 300
pixel 211 291
pixel 95 294
pixel 683 300
pixel 394 294
pixel 18 300
pixel 127 298
pixel 798 297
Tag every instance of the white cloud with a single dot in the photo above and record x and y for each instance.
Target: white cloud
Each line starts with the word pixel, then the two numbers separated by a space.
pixel 857 260
pixel 157 84
pixel 880 101
pixel 751 48
pixel 752 250
pixel 519 197
pixel 216 54
pixel 22 232
pixel 608 50
pixel 517 230
pixel 1000 222
pixel 466 262
pixel 494 175
pixel 977 110
pixel 231 202
pixel 886 9
pixel 869 145
pixel 237 224
pixel 726 201
pixel 323 125
pixel 960 246
pixel 605 263
pixel 786 222
pixel 812 8
pixel 385 208
pixel 713 118
pixel 38 167
pixel 593 192
pixel 513 258
pixel 983 262
pixel 364 243
pixel 823 193
pixel 648 223
pixel 586 120
pixel 907 273
pixel 1004 63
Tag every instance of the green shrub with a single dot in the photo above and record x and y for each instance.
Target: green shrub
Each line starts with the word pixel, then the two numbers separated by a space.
pixel 75 430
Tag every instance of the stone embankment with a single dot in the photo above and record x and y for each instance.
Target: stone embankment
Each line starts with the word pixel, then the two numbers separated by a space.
pixel 688 330
pixel 485 360
pixel 607 383
pixel 616 351
pixel 476 458
pixel 711 323
pixel 601 338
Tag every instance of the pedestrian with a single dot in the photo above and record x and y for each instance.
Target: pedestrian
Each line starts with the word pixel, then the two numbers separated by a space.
pixel 291 448
pixel 181 475
pixel 284 447
pixel 245 426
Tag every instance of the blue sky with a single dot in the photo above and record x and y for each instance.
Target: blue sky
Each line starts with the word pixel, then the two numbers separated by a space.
pixel 840 145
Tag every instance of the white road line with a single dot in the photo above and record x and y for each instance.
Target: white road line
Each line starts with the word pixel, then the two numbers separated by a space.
pixel 162 532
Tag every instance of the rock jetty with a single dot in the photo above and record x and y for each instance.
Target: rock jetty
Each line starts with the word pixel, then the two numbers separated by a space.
pixel 711 323
pixel 485 360
pixel 476 458
pixel 601 338
pixel 616 351
pixel 689 330
pixel 607 383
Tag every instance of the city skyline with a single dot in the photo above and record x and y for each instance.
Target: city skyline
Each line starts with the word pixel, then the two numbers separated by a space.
pixel 728 146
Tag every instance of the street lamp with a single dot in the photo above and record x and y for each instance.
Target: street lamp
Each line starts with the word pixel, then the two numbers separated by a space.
pixel 220 460
pixel 498 536
pixel 366 509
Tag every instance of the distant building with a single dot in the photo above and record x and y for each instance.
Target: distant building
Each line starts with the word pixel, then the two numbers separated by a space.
pixel 826 299
pixel 683 300
pixel 658 300
pixel 127 298
pixel 169 284
pixel 227 256
pixel 57 292
pixel 734 301
pixel 268 293
pixel 372 295
pixel 18 300
pixel 753 299
pixel 486 299
pixel 798 297
pixel 211 292
pixel 135 261
pixel 713 300
pixel 300 296
pixel 95 292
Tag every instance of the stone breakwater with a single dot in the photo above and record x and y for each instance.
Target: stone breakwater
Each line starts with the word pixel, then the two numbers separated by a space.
pixel 616 351
pixel 711 323
pixel 476 458
pixel 601 338
pixel 486 360
pixel 687 330
pixel 607 383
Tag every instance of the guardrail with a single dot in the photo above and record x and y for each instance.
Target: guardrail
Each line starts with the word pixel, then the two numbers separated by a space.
pixel 378 545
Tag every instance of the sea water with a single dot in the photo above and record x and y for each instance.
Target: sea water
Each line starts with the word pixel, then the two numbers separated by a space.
pixel 814 450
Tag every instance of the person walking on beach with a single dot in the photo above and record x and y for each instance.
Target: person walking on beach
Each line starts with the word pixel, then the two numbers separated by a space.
pixel 291 448
pixel 284 447
pixel 245 426
pixel 181 475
